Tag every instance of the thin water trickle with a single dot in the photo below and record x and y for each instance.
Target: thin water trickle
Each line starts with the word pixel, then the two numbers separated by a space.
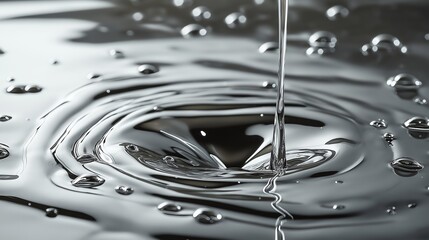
pixel 278 154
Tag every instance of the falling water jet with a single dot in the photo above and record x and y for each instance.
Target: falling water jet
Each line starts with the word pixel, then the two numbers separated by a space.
pixel 278 155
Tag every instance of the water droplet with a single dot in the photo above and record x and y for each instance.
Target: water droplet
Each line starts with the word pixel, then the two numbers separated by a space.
pixel 418 124
pixel 2 51
pixel 338 207
pixel 86 158
pixel 339 182
pixel 391 211
pixel 201 13
pixel 5 118
pixel 384 43
pixel 137 16
pixel 16 89
pixel 235 20
pixel 389 138
pixel 193 30
pixel 88 181
pixel 380 123
pixel 11 79
pixel 51 212
pixel 420 101
pixel 167 207
pixel 182 3
pixel 321 43
pixel 206 216
pixel 55 62
pixel 147 69
pixel 132 148
pixel 124 190
pixel 32 88
pixel 93 76
pixel 322 39
pixel 270 85
pixel 4 153
pixel 404 81
pixel 427 36
pixel 116 54
pixel 269 47
pixel 412 205
pixel 337 12
pixel 407 165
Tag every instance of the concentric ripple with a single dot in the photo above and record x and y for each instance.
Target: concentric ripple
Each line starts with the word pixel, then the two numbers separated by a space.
pixel 195 129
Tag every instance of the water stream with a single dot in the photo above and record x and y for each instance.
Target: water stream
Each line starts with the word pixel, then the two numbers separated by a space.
pixel 153 119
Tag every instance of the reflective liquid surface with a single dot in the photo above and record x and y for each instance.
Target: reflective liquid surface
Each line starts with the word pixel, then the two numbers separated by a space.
pixel 154 120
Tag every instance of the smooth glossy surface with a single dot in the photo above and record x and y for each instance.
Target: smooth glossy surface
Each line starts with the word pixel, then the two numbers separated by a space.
pixel 222 86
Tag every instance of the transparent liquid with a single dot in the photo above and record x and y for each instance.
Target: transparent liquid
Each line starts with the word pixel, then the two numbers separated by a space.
pixel 278 155
pixel 169 135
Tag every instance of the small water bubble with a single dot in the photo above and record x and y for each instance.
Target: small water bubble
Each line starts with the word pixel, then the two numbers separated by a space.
pixel 167 207
pixel 206 216
pixel 389 138
pixel 412 205
pixel 268 84
pixel 337 12
pixel 385 43
pixel 338 207
pixel 427 36
pixel 88 181
pixel 32 89
pixel 124 190
pixel 132 148
pixel 406 165
pixel 417 124
pixel 321 42
pixel 404 81
pixel 55 62
pixel 322 39
pixel 16 89
pixel 4 153
pixel 86 158
pixel 235 20
pixel 116 54
pixel 380 123
pixel 93 76
pixel 148 69
pixel 420 101
pixel 182 3
pixel 391 210
pixel 5 118
pixel 339 182
pixel 11 79
pixel 137 16
pixel 2 51
pixel 51 212
pixel 193 30
pixel 269 47
pixel 157 108
pixel 201 13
